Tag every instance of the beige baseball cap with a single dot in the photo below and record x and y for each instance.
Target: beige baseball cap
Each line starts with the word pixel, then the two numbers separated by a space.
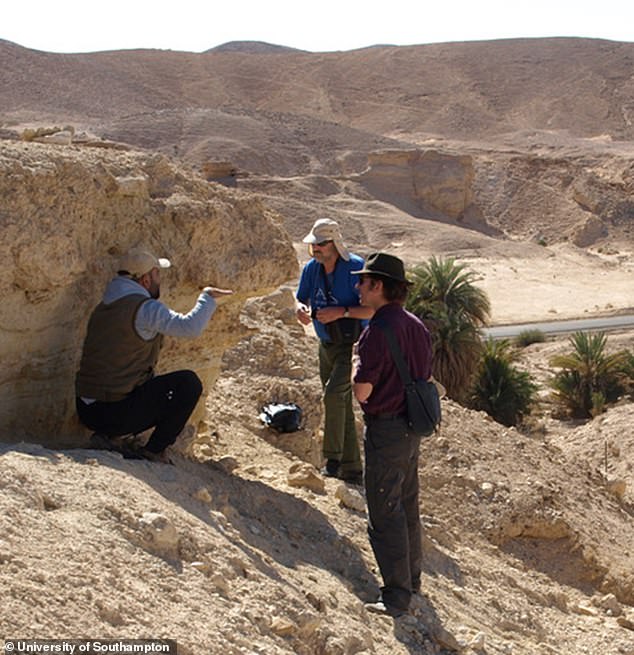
pixel 137 262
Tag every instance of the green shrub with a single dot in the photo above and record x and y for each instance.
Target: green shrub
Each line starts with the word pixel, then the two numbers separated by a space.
pixel 589 378
pixel 527 337
pixel 626 371
pixel 500 389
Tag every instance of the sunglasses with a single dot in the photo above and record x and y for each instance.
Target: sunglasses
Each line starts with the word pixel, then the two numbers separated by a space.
pixel 323 243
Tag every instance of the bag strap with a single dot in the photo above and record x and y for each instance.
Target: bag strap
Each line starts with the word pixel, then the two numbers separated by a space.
pixel 324 276
pixel 397 354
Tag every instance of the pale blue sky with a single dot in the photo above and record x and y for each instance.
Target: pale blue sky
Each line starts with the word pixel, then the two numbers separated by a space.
pixel 197 25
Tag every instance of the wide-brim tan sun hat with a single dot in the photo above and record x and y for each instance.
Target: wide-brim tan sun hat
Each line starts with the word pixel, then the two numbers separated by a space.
pixel 137 262
pixel 325 229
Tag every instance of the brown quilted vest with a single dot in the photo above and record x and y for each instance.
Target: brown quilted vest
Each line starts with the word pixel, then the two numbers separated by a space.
pixel 115 359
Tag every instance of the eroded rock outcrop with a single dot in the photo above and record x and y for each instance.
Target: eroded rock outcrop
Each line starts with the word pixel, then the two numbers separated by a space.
pixel 423 183
pixel 66 216
pixel 554 198
pixel 544 198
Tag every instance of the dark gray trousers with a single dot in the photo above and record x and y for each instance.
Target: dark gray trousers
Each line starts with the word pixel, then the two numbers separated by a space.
pixel 391 483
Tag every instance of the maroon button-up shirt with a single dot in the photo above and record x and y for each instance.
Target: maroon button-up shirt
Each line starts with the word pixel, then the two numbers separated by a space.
pixel 377 364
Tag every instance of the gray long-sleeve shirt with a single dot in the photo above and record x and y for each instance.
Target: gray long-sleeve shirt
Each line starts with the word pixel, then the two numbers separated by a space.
pixel 155 318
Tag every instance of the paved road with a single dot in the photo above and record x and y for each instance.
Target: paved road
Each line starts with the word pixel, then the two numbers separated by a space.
pixel 603 324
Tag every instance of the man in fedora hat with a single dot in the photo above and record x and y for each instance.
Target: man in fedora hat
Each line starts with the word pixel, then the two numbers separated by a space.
pixel 327 294
pixel 391 450
pixel 117 392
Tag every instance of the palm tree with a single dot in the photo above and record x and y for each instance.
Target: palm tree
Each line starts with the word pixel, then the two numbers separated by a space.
pixel 442 284
pixel 456 351
pixel 444 296
pixel 589 377
pixel 500 389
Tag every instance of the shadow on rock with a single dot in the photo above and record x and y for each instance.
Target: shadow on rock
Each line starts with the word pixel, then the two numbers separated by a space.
pixel 271 523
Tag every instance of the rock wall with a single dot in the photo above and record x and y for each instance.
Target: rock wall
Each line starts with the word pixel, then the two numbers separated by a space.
pixel 67 214
pixel 572 197
pixel 423 183
pixel 549 199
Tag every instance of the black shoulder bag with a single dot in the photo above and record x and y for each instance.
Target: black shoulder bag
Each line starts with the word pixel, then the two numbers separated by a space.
pixel 421 396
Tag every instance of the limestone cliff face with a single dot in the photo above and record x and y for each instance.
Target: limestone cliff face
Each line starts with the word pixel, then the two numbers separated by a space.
pixel 574 198
pixel 66 214
pixel 427 183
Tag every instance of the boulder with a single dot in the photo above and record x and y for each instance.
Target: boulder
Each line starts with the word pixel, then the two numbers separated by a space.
pixel 302 474
pixel 589 232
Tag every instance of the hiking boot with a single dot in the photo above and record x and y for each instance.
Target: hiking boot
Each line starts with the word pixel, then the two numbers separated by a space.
pixel 161 457
pixel 352 477
pixel 331 470
pixel 99 441
pixel 387 610
pixel 123 445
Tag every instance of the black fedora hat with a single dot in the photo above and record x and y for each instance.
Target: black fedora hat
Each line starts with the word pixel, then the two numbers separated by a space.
pixel 380 263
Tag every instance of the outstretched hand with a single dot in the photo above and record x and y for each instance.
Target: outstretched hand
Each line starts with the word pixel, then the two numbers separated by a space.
pixel 217 293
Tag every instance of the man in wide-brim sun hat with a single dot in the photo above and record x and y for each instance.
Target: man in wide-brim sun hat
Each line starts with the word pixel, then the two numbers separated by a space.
pixel 327 295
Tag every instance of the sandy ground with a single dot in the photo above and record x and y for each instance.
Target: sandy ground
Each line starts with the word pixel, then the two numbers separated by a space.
pixel 566 283
pixel 248 551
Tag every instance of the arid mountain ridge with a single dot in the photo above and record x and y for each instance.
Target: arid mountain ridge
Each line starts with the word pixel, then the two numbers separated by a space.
pixel 467 91
pixel 533 134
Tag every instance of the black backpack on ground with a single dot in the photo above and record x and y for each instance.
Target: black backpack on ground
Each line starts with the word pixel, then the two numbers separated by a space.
pixel 283 417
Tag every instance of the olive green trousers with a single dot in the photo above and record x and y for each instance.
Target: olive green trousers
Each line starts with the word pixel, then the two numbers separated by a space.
pixel 340 434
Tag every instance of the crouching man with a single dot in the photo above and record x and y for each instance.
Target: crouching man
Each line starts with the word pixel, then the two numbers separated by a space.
pixel 117 392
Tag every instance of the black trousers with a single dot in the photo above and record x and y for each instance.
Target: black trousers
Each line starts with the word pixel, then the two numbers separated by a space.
pixel 165 402
pixel 391 483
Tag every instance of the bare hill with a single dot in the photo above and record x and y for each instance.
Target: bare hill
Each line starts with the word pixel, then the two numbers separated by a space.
pixel 459 90
pixel 539 127
pixel 252 47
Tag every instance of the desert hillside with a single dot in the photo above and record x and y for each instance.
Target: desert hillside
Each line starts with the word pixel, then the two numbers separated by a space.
pixel 243 548
pixel 467 91
pixel 515 157
pixel 490 151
